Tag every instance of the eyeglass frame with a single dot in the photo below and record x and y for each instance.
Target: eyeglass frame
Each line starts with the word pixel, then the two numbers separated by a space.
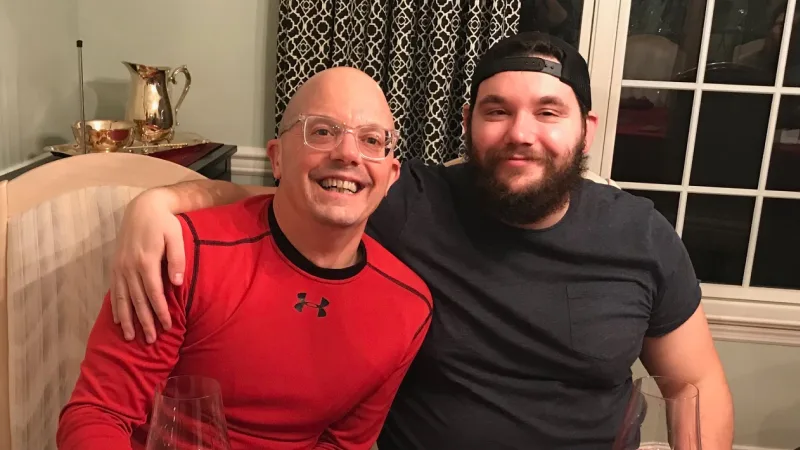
pixel 395 134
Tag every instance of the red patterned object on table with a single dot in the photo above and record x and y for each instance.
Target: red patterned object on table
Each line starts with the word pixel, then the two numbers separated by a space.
pixel 186 156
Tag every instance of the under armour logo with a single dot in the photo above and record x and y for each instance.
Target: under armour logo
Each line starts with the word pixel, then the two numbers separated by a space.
pixel 320 307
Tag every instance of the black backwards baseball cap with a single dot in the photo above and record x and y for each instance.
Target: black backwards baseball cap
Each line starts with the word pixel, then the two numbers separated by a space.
pixel 513 53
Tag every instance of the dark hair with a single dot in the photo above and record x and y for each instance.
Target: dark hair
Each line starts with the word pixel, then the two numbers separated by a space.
pixel 533 48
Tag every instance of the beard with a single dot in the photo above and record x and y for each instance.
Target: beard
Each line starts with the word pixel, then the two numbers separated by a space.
pixel 533 202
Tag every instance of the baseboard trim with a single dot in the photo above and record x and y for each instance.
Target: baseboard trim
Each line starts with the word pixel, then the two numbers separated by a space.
pixel 753 321
pixel 250 171
pixel 252 161
pixel 754 334
pixel 749 447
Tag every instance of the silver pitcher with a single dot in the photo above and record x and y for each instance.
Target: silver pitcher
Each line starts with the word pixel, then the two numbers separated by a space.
pixel 149 105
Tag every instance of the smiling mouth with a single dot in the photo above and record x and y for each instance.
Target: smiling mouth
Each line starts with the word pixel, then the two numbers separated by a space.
pixel 340 186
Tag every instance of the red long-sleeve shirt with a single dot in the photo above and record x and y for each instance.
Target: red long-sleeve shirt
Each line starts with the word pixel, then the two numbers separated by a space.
pixel 296 371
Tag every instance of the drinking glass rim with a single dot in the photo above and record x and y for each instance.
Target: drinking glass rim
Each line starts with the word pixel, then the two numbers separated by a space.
pixel 215 386
pixel 655 378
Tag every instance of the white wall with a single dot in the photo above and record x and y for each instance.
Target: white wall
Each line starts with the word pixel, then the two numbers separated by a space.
pixel 229 47
pixel 225 45
pixel 38 76
pixel 765 380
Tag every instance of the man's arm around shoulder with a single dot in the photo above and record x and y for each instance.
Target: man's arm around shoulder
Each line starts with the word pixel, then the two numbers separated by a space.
pixel 149 230
pixel 199 194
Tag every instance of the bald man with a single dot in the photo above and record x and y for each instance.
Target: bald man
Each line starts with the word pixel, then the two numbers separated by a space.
pixel 307 324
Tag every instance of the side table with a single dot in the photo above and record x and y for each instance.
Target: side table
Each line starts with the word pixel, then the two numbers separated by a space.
pixel 215 165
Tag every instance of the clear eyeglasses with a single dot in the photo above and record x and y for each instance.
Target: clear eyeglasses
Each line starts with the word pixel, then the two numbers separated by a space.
pixel 324 133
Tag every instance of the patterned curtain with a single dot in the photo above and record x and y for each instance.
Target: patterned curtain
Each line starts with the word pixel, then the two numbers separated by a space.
pixel 421 52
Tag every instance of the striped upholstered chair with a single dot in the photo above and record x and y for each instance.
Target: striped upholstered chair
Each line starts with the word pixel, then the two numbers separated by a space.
pixel 58 224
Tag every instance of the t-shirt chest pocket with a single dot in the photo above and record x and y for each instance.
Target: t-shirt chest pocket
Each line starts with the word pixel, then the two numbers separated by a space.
pixel 608 320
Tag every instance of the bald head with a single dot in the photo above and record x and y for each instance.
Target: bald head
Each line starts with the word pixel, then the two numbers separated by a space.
pixel 312 151
pixel 344 93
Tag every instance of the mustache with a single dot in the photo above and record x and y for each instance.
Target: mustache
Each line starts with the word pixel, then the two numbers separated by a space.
pixel 519 153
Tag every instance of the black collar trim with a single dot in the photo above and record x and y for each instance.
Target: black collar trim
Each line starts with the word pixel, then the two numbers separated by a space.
pixel 304 264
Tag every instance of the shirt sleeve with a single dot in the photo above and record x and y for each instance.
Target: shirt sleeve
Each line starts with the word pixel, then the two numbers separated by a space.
pixel 387 222
pixel 678 295
pixel 360 428
pixel 117 379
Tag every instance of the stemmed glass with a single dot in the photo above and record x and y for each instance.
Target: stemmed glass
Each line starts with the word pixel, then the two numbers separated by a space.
pixel 662 414
pixel 188 415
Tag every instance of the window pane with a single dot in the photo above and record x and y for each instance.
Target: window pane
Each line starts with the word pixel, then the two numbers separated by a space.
pixel 745 39
pixel 730 139
pixel 663 39
pixel 778 245
pixel 792 74
pixel 652 131
pixel 665 202
pixel 560 18
pixel 716 232
pixel 784 165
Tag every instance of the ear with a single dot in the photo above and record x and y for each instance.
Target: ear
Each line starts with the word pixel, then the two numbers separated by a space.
pixel 591 129
pixel 394 174
pixel 465 118
pixel 274 152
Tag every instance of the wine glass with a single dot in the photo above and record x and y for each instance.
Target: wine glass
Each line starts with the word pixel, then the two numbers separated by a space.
pixel 663 414
pixel 188 415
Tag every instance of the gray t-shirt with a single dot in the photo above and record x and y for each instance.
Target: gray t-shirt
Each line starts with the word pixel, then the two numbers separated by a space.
pixel 533 332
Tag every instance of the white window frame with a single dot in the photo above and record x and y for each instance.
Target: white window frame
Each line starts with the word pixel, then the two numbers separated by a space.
pixel 740 313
